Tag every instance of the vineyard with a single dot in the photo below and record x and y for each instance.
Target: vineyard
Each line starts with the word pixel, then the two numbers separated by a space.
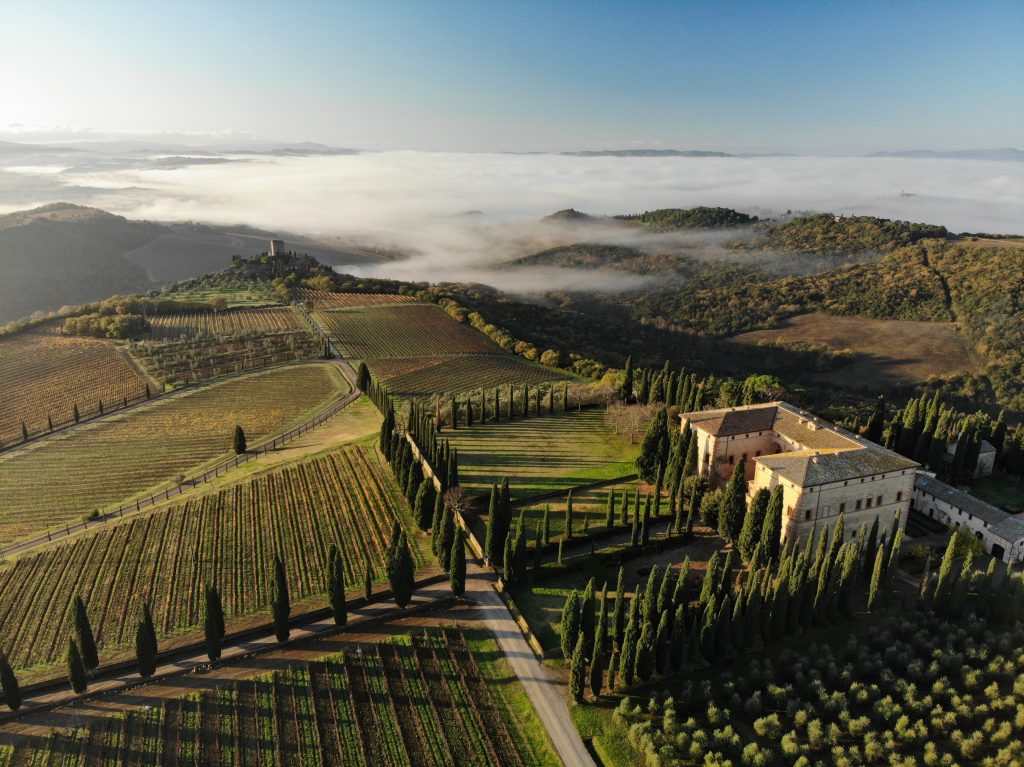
pixel 916 691
pixel 57 481
pixel 45 375
pixel 274 319
pixel 392 705
pixel 457 373
pixel 413 330
pixel 226 538
pixel 325 300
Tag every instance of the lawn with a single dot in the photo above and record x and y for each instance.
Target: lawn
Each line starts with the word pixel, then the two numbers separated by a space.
pixel 589 508
pixel 100 464
pixel 542 454
pixel 1000 490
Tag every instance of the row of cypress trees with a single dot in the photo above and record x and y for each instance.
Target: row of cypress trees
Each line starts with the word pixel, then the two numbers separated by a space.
pixel 465 410
pixel 662 628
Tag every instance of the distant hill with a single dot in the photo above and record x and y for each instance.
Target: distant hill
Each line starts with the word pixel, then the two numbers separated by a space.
pixel 647 153
pixel 1006 153
pixel 827 234
pixel 64 254
pixel 673 219
pixel 569 214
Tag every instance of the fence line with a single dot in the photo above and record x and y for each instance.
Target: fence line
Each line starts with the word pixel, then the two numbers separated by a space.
pixel 190 483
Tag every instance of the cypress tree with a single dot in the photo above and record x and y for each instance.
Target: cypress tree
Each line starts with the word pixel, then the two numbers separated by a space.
pixel 624 513
pixel 645 651
pixel 654 449
pixel 645 523
pixel 457 563
pixel 692 511
pixel 666 589
pixel 627 657
pixel 723 626
pixel 551 400
pixel 661 645
pixel 561 543
pixel 690 463
pixel 362 377
pixel 619 611
pixel 943 586
pixel 870 548
pixel 753 522
pixel 626 390
pixel 634 536
pixel 239 443
pixel 9 684
pixel 680 590
pixel 876 579
pixel 730 517
pixel 336 585
pixel 436 521
pixel 597 660
pixel 147 621
pixel 568 515
pixel 658 484
pixel 401 572
pixel 648 595
pixel 368 582
pixel 280 603
pixel 511 403
pixel 570 625
pixel 445 536
pixel 493 538
pixel 145 662
pixel 508 561
pixel 893 557
pixel 709 629
pixel 76 668
pixel 86 641
pixel 588 616
pixel 609 517
pixel 710 584
pixel 677 641
pixel 578 671
pixel 771 532
pixel 546 525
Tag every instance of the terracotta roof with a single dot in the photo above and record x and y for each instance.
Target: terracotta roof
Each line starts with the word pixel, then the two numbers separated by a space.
pixel 809 468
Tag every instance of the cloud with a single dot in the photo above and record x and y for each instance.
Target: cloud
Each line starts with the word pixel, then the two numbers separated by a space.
pixel 413 201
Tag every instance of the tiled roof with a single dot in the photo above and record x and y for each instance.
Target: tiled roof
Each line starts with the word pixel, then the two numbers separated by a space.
pixel 976 507
pixel 1010 529
pixel 809 468
pixel 724 423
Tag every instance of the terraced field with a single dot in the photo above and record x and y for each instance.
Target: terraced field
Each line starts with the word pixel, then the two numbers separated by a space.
pixel 437 702
pixel 552 452
pixel 227 538
pixel 324 300
pixel 62 478
pixel 411 330
pixel 273 319
pixel 43 373
pixel 413 377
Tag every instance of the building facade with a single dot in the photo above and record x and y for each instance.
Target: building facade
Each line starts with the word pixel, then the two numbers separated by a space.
pixel 1001 533
pixel 824 471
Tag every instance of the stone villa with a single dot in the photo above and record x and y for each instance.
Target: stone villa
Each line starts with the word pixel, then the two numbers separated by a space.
pixel 825 471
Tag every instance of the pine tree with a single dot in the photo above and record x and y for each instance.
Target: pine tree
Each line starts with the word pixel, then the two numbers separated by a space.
pixel 876 579
pixel 280 603
pixel 753 522
pixel 239 440
pixel 145 662
pixel 730 516
pixel 9 684
pixel 771 532
pixel 76 668
pixel 570 625
pixel 86 642
pixel 401 572
pixel 457 563
pixel 568 515
pixel 578 671
pixel 336 585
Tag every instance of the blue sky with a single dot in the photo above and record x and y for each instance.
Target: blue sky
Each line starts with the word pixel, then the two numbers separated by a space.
pixel 479 76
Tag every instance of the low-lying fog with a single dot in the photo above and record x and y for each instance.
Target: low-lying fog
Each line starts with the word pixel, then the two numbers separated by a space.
pixel 458 215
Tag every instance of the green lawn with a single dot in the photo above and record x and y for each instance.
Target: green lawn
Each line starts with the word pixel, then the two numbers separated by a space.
pixel 589 509
pixel 541 455
pixel 1000 490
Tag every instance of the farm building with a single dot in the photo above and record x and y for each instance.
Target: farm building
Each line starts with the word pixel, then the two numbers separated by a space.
pixel 1001 532
pixel 986 458
pixel 824 471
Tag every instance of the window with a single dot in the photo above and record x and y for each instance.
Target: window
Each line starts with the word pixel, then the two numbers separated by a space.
pixel 869 499
pixel 899 496
pixel 879 500
pixel 842 508
pixel 732 460
pixel 744 456
pixel 857 505
pixel 807 514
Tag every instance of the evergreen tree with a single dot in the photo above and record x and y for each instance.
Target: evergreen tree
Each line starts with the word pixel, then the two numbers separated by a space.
pixel 86 641
pixel 690 463
pixel 588 615
pixel 145 661
pixel 679 592
pixel 147 622
pixel 876 579
pixel 457 563
pixel 661 645
pixel 730 516
pixel 493 537
pixel 239 440
pixel 619 611
pixel 723 626
pixel 875 424
pixel 627 657
pixel 368 582
pixel 9 684
pixel 280 603
pixel 363 377
pixel 436 521
pixel 870 547
pixel 597 659
pixel 626 390
pixel 771 531
pixel 624 508
pixel 943 584
pixel 445 536
pixel 76 668
pixel 665 590
pixel 609 517
pixel 546 525
pixel 336 585
pixel 710 583
pixel 893 557
pixel 568 515
pixel 645 651
pixel 577 671
pixel 401 572
pixel 677 640
pixel 570 625
pixel 753 523
pixel 654 449
pixel 645 522
pixel 74 413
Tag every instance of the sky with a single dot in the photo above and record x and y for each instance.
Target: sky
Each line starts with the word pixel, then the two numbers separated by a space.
pixel 807 77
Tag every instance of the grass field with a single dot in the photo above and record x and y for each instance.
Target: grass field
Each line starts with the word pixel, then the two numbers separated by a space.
pixel 542 454
pixel 43 373
pixel 419 376
pixel 887 351
pixel 1000 490
pixel 589 508
pixel 227 538
pixel 402 330
pixel 237 292
pixel 60 479
pixel 433 702
pixel 272 319
pixel 324 300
